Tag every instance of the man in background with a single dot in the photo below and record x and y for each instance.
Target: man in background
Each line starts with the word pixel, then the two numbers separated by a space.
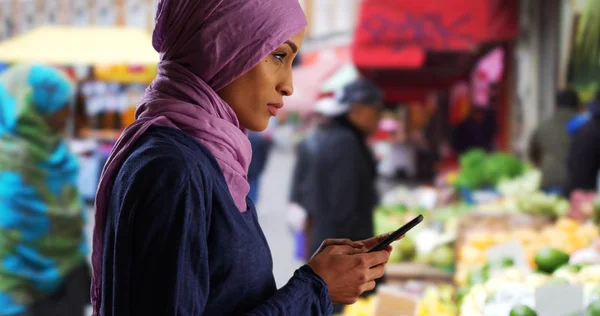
pixel 583 162
pixel 326 110
pixel 477 131
pixel 550 143
pixel 342 172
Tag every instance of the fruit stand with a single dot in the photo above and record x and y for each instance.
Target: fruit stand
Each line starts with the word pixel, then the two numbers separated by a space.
pixel 499 246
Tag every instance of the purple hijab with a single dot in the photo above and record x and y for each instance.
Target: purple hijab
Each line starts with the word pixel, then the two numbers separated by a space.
pixel 204 45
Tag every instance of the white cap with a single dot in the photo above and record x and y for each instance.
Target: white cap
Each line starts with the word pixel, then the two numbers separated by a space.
pixel 330 107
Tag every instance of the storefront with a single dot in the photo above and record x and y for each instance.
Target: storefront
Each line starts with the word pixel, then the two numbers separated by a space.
pixel 422 53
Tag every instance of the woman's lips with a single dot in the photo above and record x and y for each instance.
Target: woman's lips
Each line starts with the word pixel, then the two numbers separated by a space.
pixel 274 108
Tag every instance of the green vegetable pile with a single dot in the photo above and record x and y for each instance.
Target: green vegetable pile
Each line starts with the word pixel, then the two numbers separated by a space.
pixel 538 203
pixel 596 213
pixel 479 170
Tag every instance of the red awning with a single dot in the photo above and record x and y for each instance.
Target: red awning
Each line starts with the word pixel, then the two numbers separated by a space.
pixel 401 33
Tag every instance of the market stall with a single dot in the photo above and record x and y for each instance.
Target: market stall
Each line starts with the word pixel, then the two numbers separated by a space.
pixel 420 52
pixel 112 66
pixel 492 243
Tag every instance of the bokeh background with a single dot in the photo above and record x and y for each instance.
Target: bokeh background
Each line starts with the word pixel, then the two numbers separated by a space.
pixel 472 104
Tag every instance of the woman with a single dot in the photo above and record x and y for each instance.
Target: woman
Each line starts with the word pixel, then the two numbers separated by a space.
pixel 175 232
pixel 43 268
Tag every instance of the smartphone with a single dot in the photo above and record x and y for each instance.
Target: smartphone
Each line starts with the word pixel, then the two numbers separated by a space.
pixel 395 235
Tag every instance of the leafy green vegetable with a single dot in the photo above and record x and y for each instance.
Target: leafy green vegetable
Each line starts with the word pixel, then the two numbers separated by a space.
pixel 479 170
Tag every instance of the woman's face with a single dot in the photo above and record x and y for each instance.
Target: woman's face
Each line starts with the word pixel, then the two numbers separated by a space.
pixel 258 94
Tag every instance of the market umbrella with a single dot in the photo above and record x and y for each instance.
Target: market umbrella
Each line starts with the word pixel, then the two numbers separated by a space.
pixel 342 77
pixel 310 76
pixel 64 45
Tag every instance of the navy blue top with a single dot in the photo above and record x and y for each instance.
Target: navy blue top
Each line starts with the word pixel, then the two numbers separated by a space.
pixel 176 244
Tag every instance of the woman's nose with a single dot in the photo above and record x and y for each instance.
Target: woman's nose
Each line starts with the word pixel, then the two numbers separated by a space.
pixel 286 88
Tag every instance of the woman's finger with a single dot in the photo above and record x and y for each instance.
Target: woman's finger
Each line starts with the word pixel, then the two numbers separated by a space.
pixel 334 242
pixel 376 272
pixel 374 258
pixel 372 242
pixel 343 250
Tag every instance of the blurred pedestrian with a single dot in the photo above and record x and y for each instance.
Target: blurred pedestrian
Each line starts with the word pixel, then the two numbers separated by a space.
pixel 262 143
pixel 341 190
pixel 326 110
pixel 550 143
pixel 583 164
pixel 174 231
pixel 477 131
pixel 43 252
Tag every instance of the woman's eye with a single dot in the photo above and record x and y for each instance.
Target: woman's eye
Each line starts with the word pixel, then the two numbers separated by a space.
pixel 280 56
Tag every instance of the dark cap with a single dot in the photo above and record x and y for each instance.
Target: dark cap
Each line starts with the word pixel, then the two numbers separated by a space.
pixel 361 91
pixel 567 99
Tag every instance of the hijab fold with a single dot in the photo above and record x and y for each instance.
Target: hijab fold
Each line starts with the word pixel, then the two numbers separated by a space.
pixel 204 45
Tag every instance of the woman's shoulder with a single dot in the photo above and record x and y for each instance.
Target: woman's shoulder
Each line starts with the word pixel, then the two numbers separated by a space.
pixel 168 156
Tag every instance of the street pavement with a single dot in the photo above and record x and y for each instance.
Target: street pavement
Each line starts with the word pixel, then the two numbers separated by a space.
pixel 272 206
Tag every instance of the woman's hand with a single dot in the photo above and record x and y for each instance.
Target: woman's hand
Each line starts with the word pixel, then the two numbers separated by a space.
pixel 372 242
pixel 347 269
pixel 339 242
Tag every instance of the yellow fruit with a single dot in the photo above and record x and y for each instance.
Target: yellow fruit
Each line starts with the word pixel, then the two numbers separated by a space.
pixel 589 232
pixel 481 240
pixel 461 276
pixel 567 224
pixel 502 239
pixel 526 236
pixel 470 254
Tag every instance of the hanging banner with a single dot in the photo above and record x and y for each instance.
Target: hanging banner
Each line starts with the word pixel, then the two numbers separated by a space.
pixel 7 22
pixel 390 32
pixel 489 70
pixel 136 13
pixel 80 12
pixel 105 12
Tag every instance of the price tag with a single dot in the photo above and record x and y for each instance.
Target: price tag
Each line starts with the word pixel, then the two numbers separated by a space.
pixel 510 250
pixel 559 299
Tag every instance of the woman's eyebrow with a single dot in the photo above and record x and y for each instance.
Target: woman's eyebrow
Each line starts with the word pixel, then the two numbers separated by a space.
pixel 292 45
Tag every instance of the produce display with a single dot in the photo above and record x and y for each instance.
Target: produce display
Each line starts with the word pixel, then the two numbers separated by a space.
pixel 566 236
pixel 363 307
pixel 535 203
pixel 528 183
pixel 479 170
pixel 440 300
pixel 512 292
pixel 426 243
pixel 434 300
pixel 497 200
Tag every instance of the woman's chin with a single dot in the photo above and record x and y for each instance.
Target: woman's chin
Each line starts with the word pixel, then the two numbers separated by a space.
pixel 258 126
